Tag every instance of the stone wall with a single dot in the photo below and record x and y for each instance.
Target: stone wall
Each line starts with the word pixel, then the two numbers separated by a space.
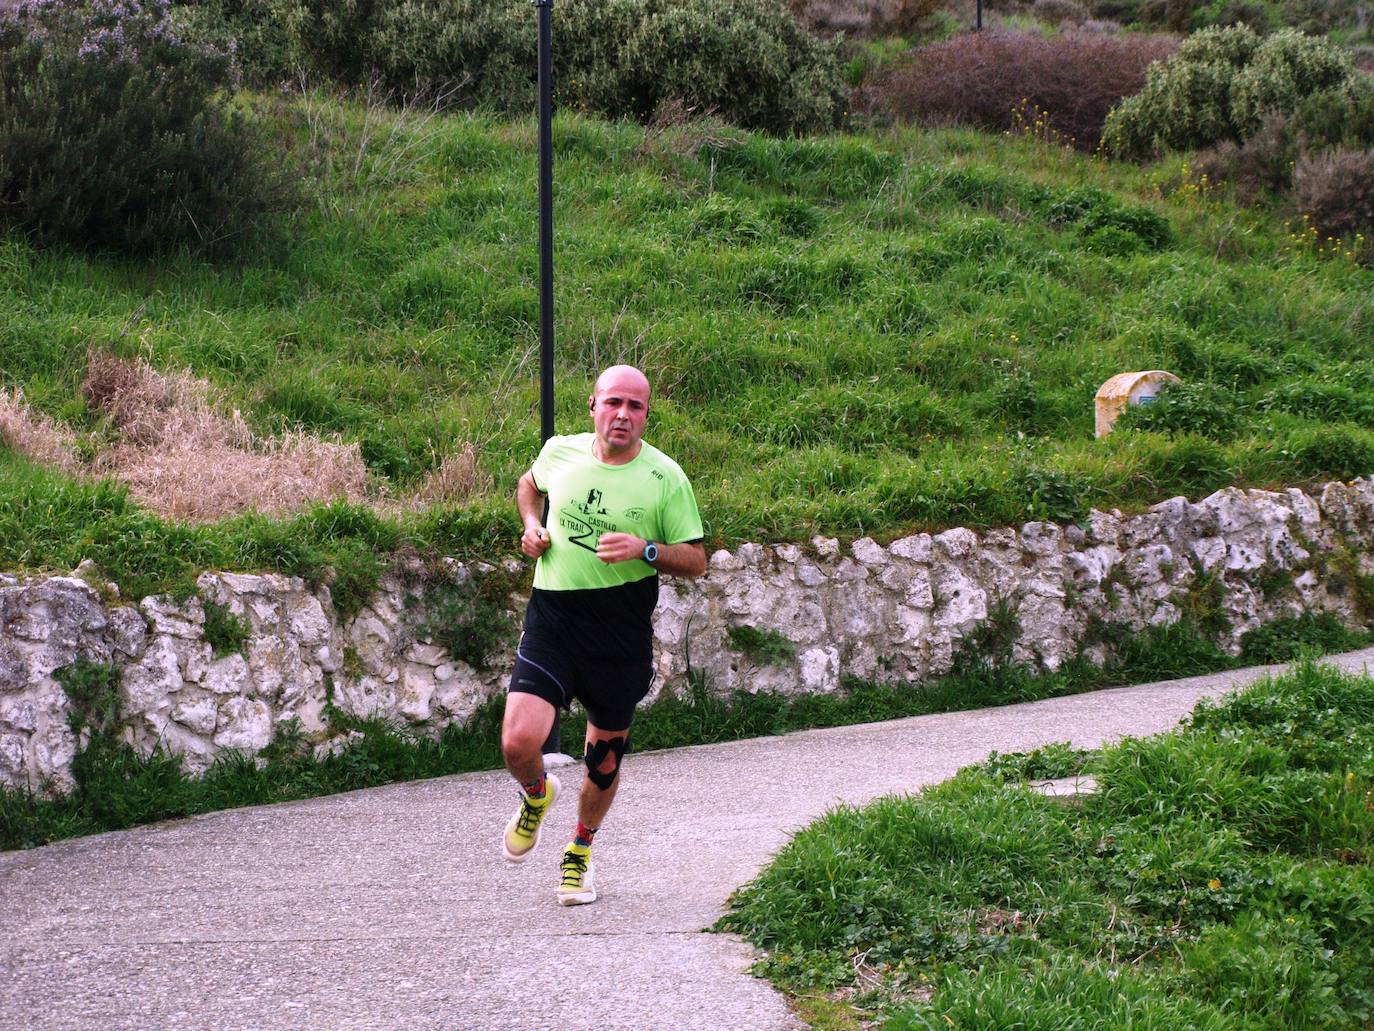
pixel 897 612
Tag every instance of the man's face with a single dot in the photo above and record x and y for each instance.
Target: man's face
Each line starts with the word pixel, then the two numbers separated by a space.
pixel 620 405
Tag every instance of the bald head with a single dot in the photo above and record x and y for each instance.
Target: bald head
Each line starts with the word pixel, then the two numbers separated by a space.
pixel 621 376
pixel 620 405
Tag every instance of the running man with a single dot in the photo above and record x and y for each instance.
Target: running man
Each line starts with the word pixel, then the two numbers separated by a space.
pixel 620 513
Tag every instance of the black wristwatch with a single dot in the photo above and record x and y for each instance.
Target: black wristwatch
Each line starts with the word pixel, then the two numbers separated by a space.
pixel 650 552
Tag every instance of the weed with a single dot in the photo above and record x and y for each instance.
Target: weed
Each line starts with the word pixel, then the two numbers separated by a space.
pixel 767 647
pixel 1195 890
pixel 1283 640
pixel 470 615
pixel 225 632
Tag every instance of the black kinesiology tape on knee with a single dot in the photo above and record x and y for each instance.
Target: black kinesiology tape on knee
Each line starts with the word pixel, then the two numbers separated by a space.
pixel 596 755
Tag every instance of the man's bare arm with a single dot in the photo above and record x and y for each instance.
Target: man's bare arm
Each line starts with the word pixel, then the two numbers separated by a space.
pixel 688 559
pixel 529 501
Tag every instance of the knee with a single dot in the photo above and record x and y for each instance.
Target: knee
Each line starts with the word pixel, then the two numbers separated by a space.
pixel 519 744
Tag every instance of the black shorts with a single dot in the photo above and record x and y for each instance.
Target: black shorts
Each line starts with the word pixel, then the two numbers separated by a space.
pixel 609 689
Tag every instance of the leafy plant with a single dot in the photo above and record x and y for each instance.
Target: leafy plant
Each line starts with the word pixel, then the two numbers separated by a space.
pixel 225 632
pixel 469 614
pixel 766 646
pixel 115 132
pixel 1219 86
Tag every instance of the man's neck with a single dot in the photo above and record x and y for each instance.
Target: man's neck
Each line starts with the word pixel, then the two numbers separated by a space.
pixel 603 453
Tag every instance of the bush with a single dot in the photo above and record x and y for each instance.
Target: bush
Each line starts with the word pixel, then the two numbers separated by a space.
pixel 983 78
pixel 1261 165
pixel 752 63
pixel 1203 408
pixel 1219 86
pixel 1338 118
pixel 115 134
pixel 1335 190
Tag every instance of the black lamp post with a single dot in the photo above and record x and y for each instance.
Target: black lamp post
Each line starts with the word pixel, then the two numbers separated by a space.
pixel 545 56
pixel 978 18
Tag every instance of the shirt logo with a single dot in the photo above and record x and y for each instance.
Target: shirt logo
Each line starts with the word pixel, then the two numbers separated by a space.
pixel 635 514
pixel 593 503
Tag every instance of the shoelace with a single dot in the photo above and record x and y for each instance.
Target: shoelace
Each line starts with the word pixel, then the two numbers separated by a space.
pixel 530 817
pixel 574 866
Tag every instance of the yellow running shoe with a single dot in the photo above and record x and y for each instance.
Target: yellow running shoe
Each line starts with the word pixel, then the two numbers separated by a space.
pixel 575 889
pixel 522 832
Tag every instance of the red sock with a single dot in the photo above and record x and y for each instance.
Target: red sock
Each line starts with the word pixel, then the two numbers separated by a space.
pixel 584 835
pixel 536 788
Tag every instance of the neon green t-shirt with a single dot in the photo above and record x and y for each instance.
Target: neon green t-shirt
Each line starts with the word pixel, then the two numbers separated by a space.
pixel 649 496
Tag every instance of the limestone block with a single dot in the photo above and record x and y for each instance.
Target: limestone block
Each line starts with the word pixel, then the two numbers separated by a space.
pixel 957 543
pixel 1225 512
pixel 327 658
pixel 426 654
pixel 19 715
pixel 14 666
pixel 174 619
pixel 228 676
pixel 305 684
pixel 820 669
pixel 309 623
pixel 1304 508
pixel 826 547
pixel 367 696
pixel 1104 527
pixel 372 638
pixel 722 561
pixel 244 724
pixel 417 688
pixel 196 754
pixel 918 548
pixel 200 714
pixel 789 553
pixel 810 576
pixel 798 614
pixel 848 571
pixel 14 759
pixel 128 631
pixel 1209 551
pixel 870 552
pixel 1244 557
pixel 964 604
pixel 750 554
pixel 1149 565
pixel 1041 539
pixel 148 685
pixel 1176 516
pixel 194 658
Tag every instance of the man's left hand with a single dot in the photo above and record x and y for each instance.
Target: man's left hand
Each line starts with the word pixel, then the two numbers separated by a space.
pixel 619 547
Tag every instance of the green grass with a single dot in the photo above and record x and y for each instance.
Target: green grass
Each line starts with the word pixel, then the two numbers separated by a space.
pixel 117 788
pixel 848 335
pixel 1223 877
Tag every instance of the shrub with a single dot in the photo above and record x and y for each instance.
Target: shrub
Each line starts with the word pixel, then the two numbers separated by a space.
pixel 1338 117
pixel 1219 86
pixel 983 78
pixel 753 63
pixel 1287 67
pixel 1339 452
pixel 1202 408
pixel 1335 190
pixel 1262 164
pixel 115 134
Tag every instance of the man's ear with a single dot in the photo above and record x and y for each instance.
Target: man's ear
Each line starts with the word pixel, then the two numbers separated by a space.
pixel 591 402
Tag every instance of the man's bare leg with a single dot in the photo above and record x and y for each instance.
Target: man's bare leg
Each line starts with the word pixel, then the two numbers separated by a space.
pixel 595 801
pixel 523 731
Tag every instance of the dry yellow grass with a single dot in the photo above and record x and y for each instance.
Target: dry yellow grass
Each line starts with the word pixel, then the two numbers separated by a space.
pixel 35 436
pixel 183 458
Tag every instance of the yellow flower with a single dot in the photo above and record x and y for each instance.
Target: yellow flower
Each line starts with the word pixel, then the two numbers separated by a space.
pixel 1214 884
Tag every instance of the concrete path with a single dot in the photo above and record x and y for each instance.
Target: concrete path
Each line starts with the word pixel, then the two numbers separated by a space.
pixel 391 907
